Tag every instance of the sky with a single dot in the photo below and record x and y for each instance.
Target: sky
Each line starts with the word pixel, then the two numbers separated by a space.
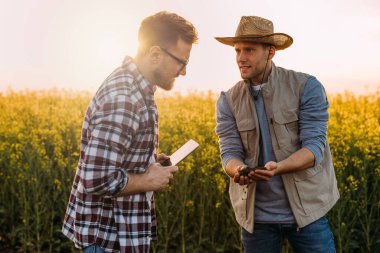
pixel 76 44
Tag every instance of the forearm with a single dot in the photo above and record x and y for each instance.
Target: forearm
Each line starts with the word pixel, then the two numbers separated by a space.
pixel 231 148
pixel 137 183
pixel 300 160
pixel 156 177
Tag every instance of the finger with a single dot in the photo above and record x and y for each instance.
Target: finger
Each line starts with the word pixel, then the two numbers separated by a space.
pixel 242 180
pixel 155 165
pixel 163 155
pixel 251 174
pixel 270 165
pixel 241 167
pixel 261 170
pixel 172 169
pixel 261 177
pixel 250 177
pixel 165 162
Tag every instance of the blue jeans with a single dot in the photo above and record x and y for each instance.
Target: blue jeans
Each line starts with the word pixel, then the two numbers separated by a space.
pixel 268 238
pixel 93 249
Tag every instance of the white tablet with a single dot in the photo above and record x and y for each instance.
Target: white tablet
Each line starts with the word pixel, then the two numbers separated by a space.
pixel 183 151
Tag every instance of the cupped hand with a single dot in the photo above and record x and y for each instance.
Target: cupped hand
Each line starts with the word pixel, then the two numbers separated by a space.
pixel 265 175
pixel 242 180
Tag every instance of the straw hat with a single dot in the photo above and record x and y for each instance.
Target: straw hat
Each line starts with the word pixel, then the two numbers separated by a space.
pixel 257 29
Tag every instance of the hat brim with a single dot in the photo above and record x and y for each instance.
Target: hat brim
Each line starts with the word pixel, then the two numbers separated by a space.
pixel 279 40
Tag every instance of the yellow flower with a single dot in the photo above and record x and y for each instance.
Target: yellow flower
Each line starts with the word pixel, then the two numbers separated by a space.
pixel 189 203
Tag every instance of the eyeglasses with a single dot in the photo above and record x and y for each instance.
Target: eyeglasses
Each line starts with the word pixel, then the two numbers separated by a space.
pixel 183 62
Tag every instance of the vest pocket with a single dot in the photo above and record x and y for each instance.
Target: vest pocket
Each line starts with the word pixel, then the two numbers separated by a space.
pixel 238 197
pixel 248 137
pixel 311 188
pixel 285 126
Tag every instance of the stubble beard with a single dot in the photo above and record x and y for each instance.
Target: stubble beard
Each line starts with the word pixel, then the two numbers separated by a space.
pixel 167 86
pixel 161 82
pixel 255 75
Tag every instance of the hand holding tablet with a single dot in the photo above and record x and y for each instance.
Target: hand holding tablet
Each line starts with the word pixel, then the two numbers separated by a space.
pixel 182 153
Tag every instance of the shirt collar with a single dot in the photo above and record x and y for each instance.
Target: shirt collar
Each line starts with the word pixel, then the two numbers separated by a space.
pixel 146 87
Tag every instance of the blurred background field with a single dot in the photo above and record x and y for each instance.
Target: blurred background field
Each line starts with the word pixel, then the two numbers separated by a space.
pixel 39 149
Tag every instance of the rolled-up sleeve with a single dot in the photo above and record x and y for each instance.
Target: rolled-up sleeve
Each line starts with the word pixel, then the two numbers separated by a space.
pixel 112 126
pixel 313 118
pixel 228 134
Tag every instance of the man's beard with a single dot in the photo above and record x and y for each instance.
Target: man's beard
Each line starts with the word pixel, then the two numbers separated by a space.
pixel 256 75
pixel 161 82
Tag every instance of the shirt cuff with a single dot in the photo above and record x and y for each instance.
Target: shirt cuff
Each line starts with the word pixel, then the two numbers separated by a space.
pixel 227 158
pixel 316 152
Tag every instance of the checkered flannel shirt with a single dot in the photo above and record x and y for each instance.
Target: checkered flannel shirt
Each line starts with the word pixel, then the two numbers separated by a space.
pixel 119 135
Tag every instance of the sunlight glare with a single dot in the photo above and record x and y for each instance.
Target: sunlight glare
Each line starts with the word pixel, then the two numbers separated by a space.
pixel 109 48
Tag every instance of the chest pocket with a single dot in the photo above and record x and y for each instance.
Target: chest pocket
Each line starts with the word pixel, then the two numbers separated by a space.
pixel 248 135
pixel 285 126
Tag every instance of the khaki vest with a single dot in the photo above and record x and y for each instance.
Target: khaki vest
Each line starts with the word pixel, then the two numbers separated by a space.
pixel 311 192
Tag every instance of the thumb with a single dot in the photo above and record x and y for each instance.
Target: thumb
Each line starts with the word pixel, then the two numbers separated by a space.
pixel 172 168
pixel 163 156
pixel 271 165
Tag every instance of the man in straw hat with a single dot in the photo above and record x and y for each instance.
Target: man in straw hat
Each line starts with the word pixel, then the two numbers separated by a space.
pixel 272 129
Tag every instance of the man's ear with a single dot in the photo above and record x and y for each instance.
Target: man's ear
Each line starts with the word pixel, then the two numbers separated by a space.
pixel 272 52
pixel 155 54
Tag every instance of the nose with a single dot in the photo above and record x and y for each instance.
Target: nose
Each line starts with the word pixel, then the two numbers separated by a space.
pixel 240 57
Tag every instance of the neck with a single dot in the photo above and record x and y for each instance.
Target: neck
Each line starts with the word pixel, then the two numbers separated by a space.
pixel 263 78
pixel 144 68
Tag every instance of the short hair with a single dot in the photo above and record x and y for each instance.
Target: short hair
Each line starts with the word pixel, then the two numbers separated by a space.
pixel 164 29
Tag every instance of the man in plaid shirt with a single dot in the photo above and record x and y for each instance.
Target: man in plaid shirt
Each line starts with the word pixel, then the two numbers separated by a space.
pixel 111 207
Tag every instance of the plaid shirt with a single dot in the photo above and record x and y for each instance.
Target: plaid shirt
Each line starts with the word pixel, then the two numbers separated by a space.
pixel 119 135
